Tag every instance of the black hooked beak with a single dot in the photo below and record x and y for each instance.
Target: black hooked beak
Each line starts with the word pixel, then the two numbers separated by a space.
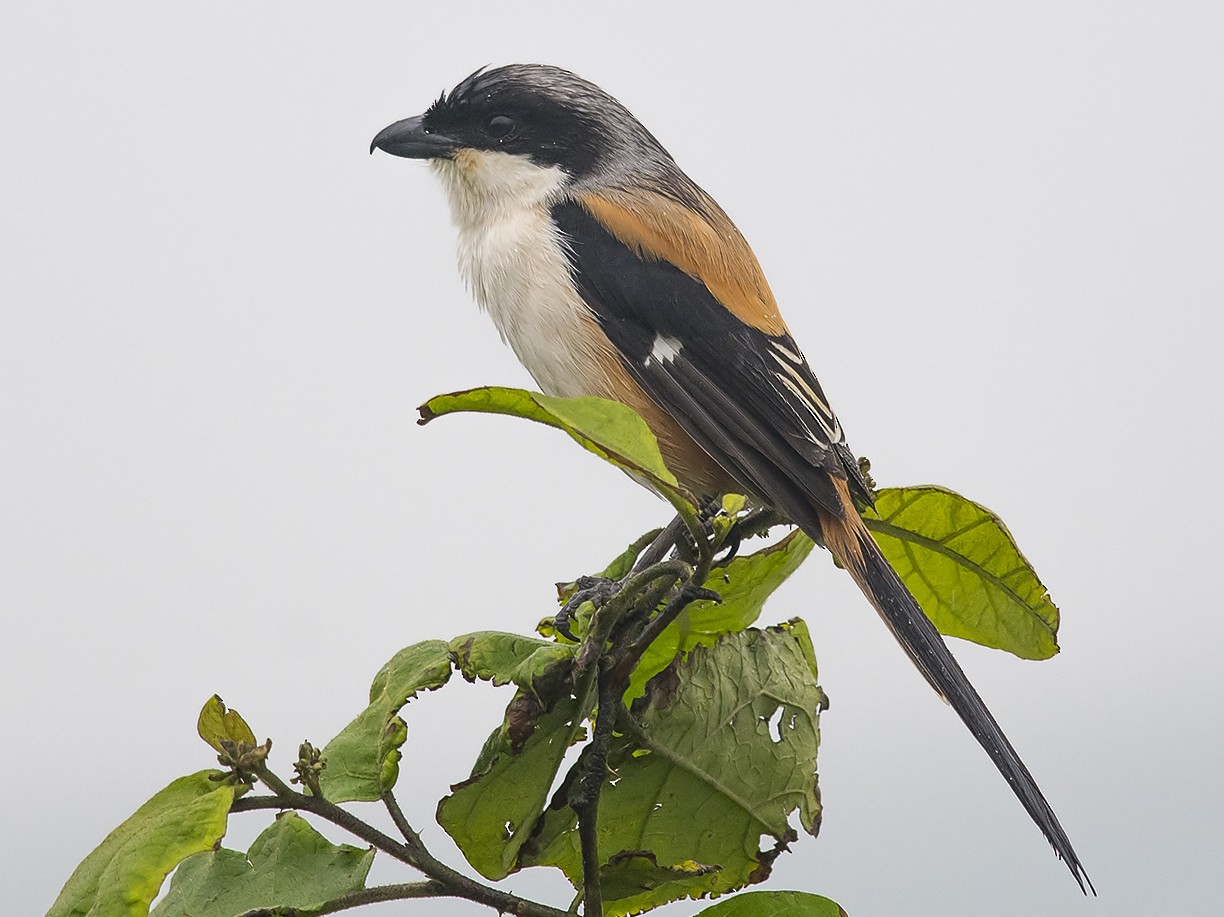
pixel 412 140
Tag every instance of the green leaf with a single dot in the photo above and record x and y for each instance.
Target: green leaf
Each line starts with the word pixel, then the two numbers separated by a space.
pixel 216 724
pixel 965 570
pixel 744 585
pixel 535 665
pixel 626 874
pixel 624 561
pixel 609 429
pixel 289 865
pixel 363 760
pixel 723 751
pixel 491 815
pixel 124 873
pixel 775 904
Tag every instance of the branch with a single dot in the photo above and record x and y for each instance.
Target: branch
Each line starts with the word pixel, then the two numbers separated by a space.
pixel 411 837
pixel 758 522
pixel 701 541
pixel 456 884
pixel 375 895
pixel 602 666
pixel 650 579
pixel 663 542
pixel 629 591
pixel 594 772
pixel 627 659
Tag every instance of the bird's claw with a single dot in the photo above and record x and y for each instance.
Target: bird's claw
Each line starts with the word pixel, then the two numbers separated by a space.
pixel 594 589
pixel 730 546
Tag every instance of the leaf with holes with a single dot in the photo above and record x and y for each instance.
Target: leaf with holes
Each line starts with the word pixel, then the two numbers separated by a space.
pixel 719 751
pixel 290 865
pixel 537 666
pixel 964 568
pixel 492 813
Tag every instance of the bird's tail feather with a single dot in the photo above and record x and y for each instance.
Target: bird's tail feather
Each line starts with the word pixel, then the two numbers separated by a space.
pixel 851 543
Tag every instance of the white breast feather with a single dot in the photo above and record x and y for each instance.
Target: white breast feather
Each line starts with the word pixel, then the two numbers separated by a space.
pixel 514 263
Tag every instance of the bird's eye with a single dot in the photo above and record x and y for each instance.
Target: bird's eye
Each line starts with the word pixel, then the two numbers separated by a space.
pixel 500 127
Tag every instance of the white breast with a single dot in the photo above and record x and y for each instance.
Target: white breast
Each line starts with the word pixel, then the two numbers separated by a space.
pixel 514 263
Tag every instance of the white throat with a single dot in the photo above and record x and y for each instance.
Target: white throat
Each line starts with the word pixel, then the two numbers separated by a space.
pixel 481 184
pixel 513 260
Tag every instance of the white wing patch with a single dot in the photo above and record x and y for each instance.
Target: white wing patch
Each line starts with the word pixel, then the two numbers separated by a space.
pixel 665 349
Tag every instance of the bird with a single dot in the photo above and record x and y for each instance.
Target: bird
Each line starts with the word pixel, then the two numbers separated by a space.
pixel 611 273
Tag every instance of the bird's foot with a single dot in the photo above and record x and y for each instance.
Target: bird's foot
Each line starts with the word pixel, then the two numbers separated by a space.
pixel 594 589
pixel 730 548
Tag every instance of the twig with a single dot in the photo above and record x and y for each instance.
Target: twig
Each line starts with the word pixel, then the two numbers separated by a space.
pixel 650 579
pixel 700 537
pixel 628 658
pixel 647 540
pixel 457 884
pixel 610 614
pixel 411 838
pixel 375 895
pixel 758 522
pixel 663 542
pixel 648 583
pixel 595 771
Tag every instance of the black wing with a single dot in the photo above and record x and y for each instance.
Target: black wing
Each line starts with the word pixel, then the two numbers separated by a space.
pixel 746 397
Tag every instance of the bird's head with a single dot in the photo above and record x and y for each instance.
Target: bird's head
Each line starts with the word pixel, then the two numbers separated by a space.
pixel 527 116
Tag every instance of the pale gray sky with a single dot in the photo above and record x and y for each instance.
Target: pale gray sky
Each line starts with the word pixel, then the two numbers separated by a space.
pixel 995 229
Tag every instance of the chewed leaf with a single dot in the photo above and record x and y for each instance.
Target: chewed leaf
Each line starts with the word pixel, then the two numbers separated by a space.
pixel 534 665
pixel 609 429
pixel 492 814
pixel 626 874
pixel 717 755
pixel 362 762
pixel 964 568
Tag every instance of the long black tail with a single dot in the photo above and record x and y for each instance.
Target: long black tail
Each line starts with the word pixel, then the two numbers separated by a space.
pixel 854 547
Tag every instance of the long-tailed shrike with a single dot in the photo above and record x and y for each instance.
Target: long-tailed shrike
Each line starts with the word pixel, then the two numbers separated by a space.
pixel 611 273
